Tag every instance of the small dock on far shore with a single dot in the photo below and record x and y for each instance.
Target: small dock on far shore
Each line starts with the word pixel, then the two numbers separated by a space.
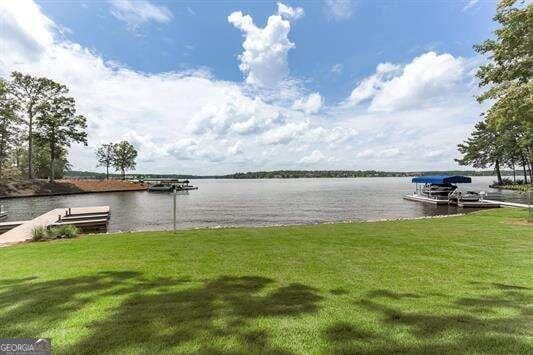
pixel 85 218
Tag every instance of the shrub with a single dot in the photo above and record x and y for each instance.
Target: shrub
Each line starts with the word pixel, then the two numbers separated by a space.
pixel 66 231
pixel 54 233
pixel 42 233
pixel 39 234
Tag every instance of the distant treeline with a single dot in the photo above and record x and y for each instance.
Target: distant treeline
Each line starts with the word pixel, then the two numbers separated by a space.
pixel 287 174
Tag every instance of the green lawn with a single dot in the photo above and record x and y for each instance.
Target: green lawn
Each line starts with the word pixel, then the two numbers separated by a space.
pixel 458 284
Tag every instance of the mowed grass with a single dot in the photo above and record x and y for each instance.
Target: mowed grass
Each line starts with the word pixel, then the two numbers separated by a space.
pixel 455 285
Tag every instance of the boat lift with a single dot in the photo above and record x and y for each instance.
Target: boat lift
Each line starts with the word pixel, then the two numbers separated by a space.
pixel 444 198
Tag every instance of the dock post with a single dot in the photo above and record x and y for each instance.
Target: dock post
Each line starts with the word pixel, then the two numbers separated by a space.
pixel 530 202
pixel 174 209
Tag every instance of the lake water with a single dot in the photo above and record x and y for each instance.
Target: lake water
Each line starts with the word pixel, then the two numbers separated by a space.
pixel 257 203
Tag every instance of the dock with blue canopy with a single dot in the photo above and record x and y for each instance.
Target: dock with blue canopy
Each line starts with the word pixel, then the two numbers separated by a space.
pixel 441 190
pixel 436 188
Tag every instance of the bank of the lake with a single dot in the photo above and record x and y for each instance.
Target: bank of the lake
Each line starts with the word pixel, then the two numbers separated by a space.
pixel 455 285
pixel 42 188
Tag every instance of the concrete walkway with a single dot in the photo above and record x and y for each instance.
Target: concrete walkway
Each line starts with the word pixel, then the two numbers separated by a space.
pixel 23 232
pixel 509 204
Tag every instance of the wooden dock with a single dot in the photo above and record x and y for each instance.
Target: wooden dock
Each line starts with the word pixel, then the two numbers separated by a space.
pixel 82 217
pixel 6 226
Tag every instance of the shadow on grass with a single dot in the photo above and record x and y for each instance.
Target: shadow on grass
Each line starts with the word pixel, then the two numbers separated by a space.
pixel 155 314
pixel 496 320
pixel 234 314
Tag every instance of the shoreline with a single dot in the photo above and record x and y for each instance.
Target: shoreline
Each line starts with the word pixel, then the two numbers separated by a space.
pixel 258 227
pixel 70 193
pixel 261 227
pixel 284 225
pixel 13 189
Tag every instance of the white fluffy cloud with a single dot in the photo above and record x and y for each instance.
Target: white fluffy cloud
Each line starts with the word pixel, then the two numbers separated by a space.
pixel 400 117
pixel 234 113
pixel 264 60
pixel 370 86
pixel 138 12
pixel 427 79
pixel 311 104
pixel 21 36
pixel 288 12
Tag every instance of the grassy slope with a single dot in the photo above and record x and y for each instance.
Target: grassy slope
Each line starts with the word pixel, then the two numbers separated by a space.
pixel 424 286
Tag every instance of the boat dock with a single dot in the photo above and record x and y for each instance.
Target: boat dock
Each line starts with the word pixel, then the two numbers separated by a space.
pixel 440 190
pixel 466 204
pixel 85 218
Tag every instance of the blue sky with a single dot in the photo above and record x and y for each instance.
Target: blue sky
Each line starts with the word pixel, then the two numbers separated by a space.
pixel 307 85
pixel 199 36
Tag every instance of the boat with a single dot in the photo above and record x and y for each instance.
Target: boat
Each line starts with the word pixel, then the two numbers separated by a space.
pixel 438 189
pixel 171 186
pixel 185 186
pixel 468 196
pixel 3 213
pixel 161 188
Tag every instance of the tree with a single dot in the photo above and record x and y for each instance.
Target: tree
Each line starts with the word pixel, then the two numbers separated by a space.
pixel 30 93
pixel 505 137
pixel 124 155
pixel 508 73
pixel 58 126
pixel 41 160
pixel 482 149
pixel 18 153
pixel 515 153
pixel 105 156
pixel 8 122
pixel 510 51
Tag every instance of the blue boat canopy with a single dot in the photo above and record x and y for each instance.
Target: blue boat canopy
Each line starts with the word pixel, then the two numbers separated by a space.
pixel 442 179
